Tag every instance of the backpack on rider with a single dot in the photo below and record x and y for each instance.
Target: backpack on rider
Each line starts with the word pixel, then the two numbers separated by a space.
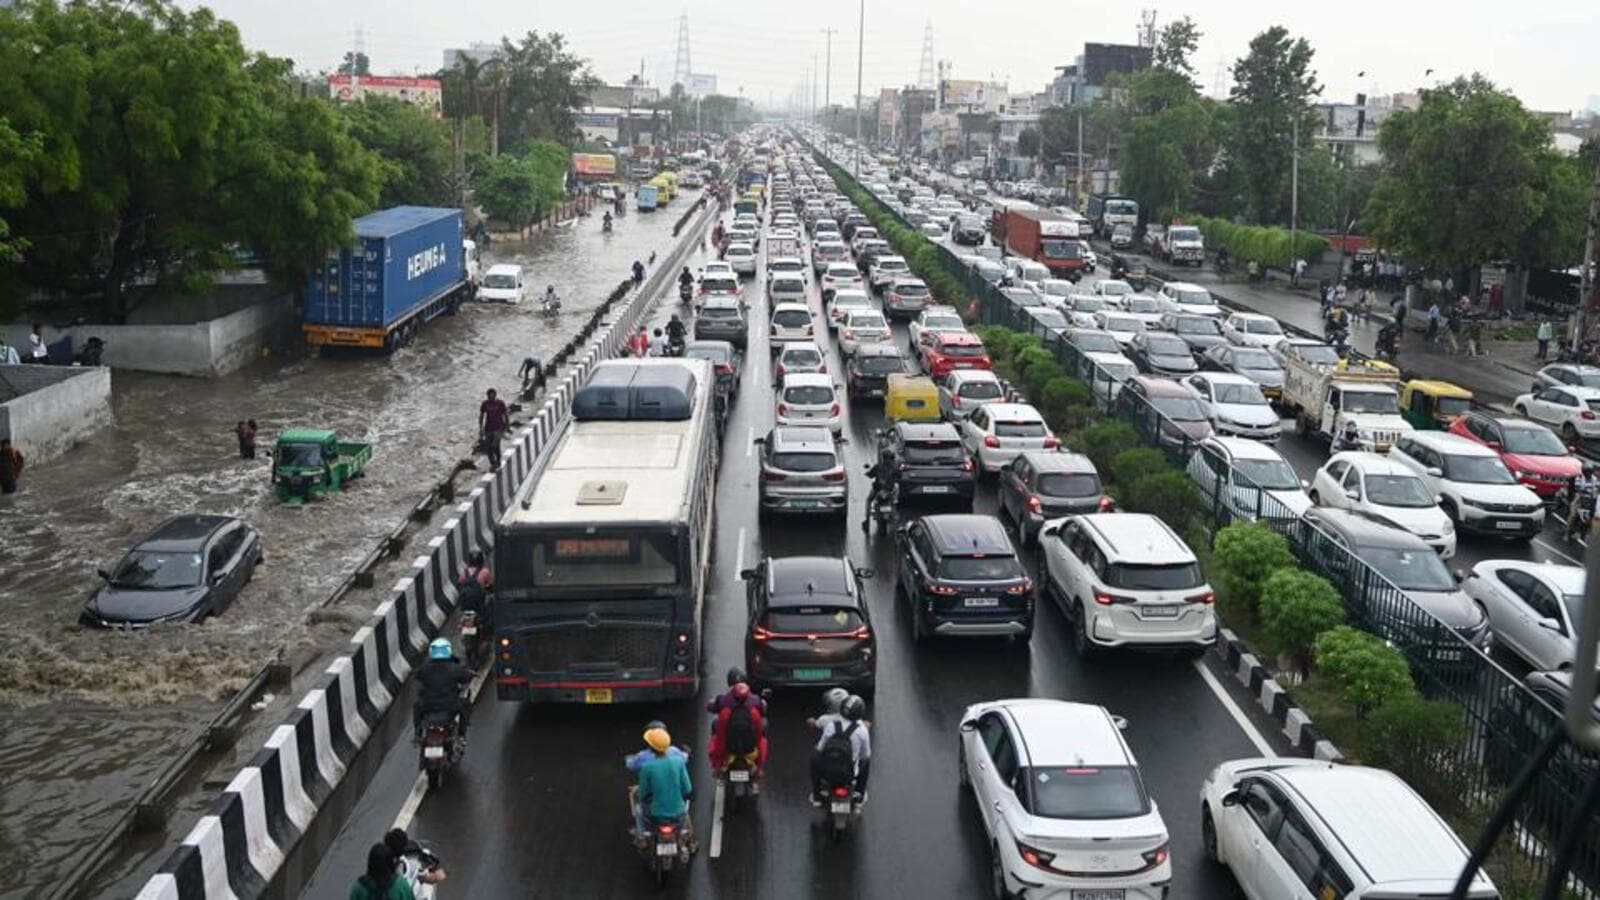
pixel 836 761
pixel 740 736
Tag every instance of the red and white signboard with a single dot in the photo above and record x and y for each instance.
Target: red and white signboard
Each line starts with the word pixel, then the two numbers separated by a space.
pixel 427 93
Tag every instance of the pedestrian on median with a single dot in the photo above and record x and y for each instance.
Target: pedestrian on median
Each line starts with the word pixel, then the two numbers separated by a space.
pixel 38 353
pixel 1545 332
pixel 639 342
pixel 658 343
pixel 382 880
pixel 1433 322
pixel 10 466
pixel 246 433
pixel 1339 291
pixel 493 421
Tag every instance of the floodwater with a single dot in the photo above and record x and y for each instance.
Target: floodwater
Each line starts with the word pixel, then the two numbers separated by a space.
pixel 87 717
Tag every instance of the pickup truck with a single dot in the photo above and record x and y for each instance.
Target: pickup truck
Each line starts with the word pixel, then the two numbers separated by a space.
pixel 1324 397
pixel 1184 245
pixel 311 462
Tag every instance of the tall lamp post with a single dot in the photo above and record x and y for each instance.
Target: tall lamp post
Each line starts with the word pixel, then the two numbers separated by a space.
pixel 861 42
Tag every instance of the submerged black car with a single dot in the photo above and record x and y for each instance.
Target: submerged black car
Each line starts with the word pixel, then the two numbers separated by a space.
pixel 809 623
pixel 190 568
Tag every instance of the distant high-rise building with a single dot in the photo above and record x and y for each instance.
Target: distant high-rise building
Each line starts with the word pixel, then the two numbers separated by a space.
pixel 1593 104
pixel 1086 77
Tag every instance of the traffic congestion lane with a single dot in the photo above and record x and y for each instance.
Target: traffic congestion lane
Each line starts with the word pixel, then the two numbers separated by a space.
pixel 538 804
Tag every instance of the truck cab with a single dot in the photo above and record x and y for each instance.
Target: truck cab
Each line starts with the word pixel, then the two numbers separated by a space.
pixel 1325 398
pixel 1184 245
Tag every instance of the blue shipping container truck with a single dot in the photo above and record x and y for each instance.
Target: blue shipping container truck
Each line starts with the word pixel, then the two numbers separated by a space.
pixel 408 265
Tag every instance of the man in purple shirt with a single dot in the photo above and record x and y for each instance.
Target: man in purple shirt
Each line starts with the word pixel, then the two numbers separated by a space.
pixel 493 421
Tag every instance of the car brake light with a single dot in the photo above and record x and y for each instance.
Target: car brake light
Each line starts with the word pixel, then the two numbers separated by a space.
pixel 1050 442
pixel 939 589
pixel 1022 588
pixel 724 369
pixel 1107 504
pixel 668 830
pixel 1035 857
pixel 783 409
pixel 955 400
pixel 990 440
pixel 833 476
pixel 841 792
pixel 1208 598
pixel 1034 505
pixel 834 410
pixel 1156 857
pixel 1587 414
pixel 1105 599
pixel 849 334
pixel 761 634
pixel 966 465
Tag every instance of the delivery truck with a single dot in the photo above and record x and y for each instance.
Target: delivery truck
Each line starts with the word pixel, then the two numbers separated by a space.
pixel 408 265
pixel 1045 237
pixel 1107 211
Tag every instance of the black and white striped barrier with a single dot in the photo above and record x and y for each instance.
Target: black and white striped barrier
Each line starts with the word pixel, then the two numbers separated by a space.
pixel 238 847
pixel 1304 736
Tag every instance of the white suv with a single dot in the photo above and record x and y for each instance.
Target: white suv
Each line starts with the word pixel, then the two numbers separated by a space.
pixel 1188 299
pixel 1293 828
pixel 1062 801
pixel 1474 487
pixel 1126 579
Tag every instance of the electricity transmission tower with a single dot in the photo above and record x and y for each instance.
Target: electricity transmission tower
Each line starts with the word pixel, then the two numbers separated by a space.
pixel 680 69
pixel 925 70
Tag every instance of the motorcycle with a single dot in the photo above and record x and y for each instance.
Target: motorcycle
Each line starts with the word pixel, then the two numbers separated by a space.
pixel 441 749
pixel 883 507
pixel 1223 265
pixel 475 638
pixel 675 346
pixel 605 225
pixel 841 805
pixel 685 291
pixel 739 781
pixel 666 849
pixel 550 308
pixel 417 861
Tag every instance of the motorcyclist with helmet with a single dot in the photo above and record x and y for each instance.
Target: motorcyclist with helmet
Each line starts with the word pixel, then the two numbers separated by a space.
pixel 685 280
pixel 475 590
pixel 740 729
pixel 843 754
pixel 441 686
pixel 1585 489
pixel 676 331
pixel 884 473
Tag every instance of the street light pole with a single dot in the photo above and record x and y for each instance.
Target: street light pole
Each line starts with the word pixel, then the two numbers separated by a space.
pixel 1294 195
pixel 861 45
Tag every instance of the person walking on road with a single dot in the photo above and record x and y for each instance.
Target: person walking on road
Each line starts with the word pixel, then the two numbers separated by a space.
pixel 1452 323
pixel 493 421
pixel 1433 322
pixel 382 880
pixel 246 433
pixel 10 466
pixel 1474 338
pixel 1297 272
pixel 38 353
pixel 1545 332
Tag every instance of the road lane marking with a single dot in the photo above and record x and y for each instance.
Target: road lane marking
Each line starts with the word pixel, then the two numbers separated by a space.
pixel 408 809
pixel 738 557
pixel 1245 725
pixel 750 441
pixel 716 822
pixel 1543 543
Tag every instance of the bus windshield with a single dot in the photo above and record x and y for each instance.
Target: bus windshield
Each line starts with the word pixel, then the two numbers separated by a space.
pixel 559 565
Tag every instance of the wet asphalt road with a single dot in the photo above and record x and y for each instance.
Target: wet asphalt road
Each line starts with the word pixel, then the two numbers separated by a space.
pixel 538 806
pixel 87 717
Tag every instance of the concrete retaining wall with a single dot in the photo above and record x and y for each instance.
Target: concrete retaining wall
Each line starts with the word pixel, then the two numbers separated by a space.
pixel 262 836
pixel 45 410
pixel 204 349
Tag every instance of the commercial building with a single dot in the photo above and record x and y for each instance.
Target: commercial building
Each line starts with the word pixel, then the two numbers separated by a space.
pixel 1350 130
pixel 1086 78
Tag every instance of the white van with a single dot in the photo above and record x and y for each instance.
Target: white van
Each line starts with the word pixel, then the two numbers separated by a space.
pixel 502 284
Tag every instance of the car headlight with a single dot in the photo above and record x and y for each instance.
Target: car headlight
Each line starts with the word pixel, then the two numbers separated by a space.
pixel 1449 527
pixel 1475 504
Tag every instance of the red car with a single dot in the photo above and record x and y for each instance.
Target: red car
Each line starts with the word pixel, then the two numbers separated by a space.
pixel 954 350
pixel 1533 453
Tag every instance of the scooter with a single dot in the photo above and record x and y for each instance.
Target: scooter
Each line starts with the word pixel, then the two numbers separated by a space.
pixel 841 805
pixel 475 638
pixel 441 748
pixel 685 291
pixel 416 862
pixel 739 781
pixel 675 346
pixel 1580 514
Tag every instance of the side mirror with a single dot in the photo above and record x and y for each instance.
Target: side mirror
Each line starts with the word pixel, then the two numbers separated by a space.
pixel 1438 498
pixel 1460 575
pixel 1495 446
pixel 969 726
pixel 1120 722
pixel 1305 484
pixel 1231 798
pixel 759 441
pixel 747 574
pixel 1436 472
pixel 867 573
pixel 104 575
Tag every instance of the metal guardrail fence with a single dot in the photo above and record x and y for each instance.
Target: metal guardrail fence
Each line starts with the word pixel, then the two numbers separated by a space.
pixel 1505 721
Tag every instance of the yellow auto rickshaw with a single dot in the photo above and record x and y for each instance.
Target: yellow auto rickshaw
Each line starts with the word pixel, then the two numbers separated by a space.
pixel 911 398
pixel 1433 405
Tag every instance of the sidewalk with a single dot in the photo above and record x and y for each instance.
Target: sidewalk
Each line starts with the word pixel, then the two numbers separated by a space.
pixel 1504 370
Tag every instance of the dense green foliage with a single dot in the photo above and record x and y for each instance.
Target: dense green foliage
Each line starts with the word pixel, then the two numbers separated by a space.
pixel 413 149
pixel 1367 671
pixel 1244 556
pixel 1296 607
pixel 1266 245
pixel 1272 93
pixel 521 188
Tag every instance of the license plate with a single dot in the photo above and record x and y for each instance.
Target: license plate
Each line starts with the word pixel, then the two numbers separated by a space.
pixel 804 504
pixel 840 806
pixel 433 753
pixel 597 695
pixel 813 674
pixel 1100 894
pixel 875 392
pixel 1508 526
pixel 937 489
pixel 1159 612
pixel 981 601
pixel 667 848
pixel 739 775
pixel 469 631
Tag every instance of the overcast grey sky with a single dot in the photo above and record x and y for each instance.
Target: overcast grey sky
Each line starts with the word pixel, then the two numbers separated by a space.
pixel 1544 50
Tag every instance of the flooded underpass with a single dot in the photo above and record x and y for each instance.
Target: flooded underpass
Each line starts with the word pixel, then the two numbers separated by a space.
pixel 87 716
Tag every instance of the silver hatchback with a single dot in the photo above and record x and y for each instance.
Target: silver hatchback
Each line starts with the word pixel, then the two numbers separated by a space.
pixel 802 472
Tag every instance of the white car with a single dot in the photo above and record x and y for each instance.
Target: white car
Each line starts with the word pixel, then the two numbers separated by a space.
pixel 1122 326
pixel 787 265
pixel 1189 299
pixel 825 253
pixel 1114 371
pixel 1532 607
pixel 809 399
pixel 933 231
pixel 503 283
pixel 1090 260
pixel 886 269
pixel 1574 411
pixel 1477 491
pixel 742 257
pixel 1252 330
pixel 1126 579
pixel 838 276
pixel 1145 309
pixel 1386 490
pixel 798 358
pixel 848 300
pixel 1082 309
pixel 786 288
pixel 863 326
pixel 1056 290
pixel 1570 374
pixel 1270 819
pixel 997 432
pixel 1027 273
pixel 931 321
pixel 1250 477
pixel 790 322
pixel 1062 801
pixel 1112 287
pixel 964 390
pixel 716 267
pixel 1235 405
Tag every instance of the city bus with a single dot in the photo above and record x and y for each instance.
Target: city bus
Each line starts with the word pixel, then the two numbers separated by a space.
pixel 602 561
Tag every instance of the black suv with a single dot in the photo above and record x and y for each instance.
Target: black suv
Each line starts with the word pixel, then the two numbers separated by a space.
pixel 809 623
pixel 961 576
pixel 190 568
pixel 933 462
pixel 867 371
